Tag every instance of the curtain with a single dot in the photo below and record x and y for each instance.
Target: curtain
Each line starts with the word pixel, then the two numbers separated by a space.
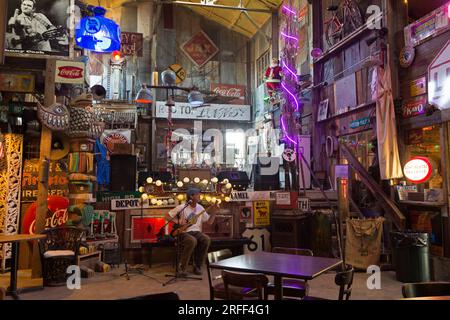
pixel 390 166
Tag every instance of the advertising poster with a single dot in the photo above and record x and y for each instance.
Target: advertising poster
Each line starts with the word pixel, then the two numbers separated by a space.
pixel 38 27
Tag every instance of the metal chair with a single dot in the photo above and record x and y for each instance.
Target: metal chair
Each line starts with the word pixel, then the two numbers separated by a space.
pixel 235 280
pixel 58 251
pixel 425 289
pixel 344 279
pixel 292 287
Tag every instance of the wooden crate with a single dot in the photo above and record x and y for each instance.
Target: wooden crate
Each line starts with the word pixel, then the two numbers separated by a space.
pixel 89 259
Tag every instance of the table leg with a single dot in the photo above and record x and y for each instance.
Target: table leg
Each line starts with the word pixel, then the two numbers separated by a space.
pixel 278 288
pixel 12 290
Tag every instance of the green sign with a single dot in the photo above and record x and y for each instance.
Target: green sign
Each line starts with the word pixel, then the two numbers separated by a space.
pixel 360 123
pixel 107 196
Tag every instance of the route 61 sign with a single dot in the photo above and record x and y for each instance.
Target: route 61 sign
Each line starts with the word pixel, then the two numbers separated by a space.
pixel 289 155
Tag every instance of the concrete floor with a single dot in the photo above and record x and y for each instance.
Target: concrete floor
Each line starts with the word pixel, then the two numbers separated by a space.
pixel 110 286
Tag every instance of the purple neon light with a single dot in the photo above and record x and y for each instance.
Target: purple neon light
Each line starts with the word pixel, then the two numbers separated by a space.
pixel 289 69
pixel 297 106
pixel 286 8
pixel 288 36
pixel 283 126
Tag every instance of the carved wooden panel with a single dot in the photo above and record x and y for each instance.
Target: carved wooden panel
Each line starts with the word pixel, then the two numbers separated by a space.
pixel 10 188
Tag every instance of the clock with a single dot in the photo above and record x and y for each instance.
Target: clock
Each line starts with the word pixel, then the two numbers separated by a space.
pixel 407 56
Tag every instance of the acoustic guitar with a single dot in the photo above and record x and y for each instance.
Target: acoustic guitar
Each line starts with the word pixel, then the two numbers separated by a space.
pixel 14 41
pixel 180 228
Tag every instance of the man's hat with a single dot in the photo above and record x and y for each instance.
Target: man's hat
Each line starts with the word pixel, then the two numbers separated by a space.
pixel 193 191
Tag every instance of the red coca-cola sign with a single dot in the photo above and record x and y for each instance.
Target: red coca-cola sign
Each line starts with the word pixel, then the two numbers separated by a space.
pixel 230 90
pixel 70 72
pixel 56 214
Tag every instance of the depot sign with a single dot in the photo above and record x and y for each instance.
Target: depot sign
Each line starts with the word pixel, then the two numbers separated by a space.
pixel 418 169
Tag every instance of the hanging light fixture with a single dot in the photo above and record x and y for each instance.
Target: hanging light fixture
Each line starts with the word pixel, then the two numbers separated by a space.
pixel 195 98
pixel 98 33
pixel 144 95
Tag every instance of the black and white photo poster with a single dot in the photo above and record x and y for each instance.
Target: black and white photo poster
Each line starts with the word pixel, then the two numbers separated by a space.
pixel 38 27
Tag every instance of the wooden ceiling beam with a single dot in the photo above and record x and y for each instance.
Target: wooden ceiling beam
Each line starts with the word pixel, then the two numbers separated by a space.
pixel 217 6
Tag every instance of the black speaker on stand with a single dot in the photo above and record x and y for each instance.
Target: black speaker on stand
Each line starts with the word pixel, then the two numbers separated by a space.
pixel 123 172
pixel 264 181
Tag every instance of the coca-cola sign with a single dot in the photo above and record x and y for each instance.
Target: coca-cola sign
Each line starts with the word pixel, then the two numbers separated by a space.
pixel 69 72
pixel 230 90
pixel 56 214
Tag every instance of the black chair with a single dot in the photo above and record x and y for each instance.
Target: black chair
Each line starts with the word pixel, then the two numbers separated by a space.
pixel 58 251
pixel 156 296
pixel 344 279
pixel 426 289
pixel 292 287
pixel 236 282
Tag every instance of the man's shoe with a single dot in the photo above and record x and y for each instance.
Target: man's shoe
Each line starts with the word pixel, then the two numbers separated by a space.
pixel 197 271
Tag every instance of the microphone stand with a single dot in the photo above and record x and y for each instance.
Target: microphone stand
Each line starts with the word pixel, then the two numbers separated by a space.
pixel 176 276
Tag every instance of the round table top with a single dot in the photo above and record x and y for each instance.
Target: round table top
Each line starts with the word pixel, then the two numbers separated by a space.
pixel 6 238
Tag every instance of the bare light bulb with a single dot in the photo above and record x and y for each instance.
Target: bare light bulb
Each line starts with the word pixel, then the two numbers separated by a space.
pixel 179 184
pixel 158 183
pixel 149 180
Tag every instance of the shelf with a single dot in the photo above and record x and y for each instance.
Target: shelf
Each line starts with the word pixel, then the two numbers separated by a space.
pixel 423 204
pixel 347 41
pixel 344 114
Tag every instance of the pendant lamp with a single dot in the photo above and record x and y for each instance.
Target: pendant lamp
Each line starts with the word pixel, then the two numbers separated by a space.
pixel 98 33
pixel 144 95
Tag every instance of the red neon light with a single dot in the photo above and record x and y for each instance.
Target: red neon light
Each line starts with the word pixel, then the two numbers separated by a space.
pixel 429 170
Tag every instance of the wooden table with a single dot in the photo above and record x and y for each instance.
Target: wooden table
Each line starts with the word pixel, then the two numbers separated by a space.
pixel 278 265
pixel 15 239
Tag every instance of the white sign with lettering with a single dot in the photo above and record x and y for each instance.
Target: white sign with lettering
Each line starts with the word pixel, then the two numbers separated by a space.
pixel 283 198
pixel 224 112
pixel 439 79
pixel 253 195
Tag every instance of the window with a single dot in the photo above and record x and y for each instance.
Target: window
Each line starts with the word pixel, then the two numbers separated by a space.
pixel 261 65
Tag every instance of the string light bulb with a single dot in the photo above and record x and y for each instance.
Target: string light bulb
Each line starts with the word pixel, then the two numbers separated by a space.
pixel 179 184
pixel 196 179
pixel 228 186
pixel 205 182
pixel 227 199
pixel 214 180
pixel 141 189
pixel 144 196
pixel 180 197
pixel 186 180
pixel 149 180
pixel 153 201
pixel 158 183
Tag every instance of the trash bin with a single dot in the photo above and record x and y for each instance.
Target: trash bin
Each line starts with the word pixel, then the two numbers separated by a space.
pixel 410 255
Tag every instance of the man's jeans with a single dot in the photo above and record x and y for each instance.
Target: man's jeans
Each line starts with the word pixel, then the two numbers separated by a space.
pixel 190 241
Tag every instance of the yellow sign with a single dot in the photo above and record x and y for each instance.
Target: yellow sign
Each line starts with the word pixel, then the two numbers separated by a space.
pixel 179 71
pixel 261 213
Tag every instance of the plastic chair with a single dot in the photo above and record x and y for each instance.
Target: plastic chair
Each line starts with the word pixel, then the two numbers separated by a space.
pixel 426 289
pixel 255 281
pixel 292 287
pixel 58 251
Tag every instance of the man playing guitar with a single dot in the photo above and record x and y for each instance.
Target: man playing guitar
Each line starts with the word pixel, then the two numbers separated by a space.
pixel 193 240
pixel 31 30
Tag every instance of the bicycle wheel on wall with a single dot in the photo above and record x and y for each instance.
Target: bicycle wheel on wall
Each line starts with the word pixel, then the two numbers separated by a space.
pixel 332 34
pixel 353 18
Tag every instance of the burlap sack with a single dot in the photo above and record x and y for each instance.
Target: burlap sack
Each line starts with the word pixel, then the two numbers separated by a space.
pixel 363 242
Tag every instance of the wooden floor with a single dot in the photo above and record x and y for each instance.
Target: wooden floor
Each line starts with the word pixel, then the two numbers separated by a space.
pixel 24 280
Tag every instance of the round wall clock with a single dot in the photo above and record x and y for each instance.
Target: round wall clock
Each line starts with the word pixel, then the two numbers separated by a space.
pixel 407 56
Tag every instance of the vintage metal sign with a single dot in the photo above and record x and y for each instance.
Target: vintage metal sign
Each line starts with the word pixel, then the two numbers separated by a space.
pixel 418 169
pixel 58 181
pixel 253 195
pixel 418 86
pixel 69 72
pixel 131 44
pixel 261 211
pixel 200 49
pixel 211 112
pixel 427 26
pixel 230 90
pixel 414 107
pixel 439 79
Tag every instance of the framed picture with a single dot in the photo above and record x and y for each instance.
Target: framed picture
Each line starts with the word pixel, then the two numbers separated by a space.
pixel 323 110
pixel 39 28
pixel 141 154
